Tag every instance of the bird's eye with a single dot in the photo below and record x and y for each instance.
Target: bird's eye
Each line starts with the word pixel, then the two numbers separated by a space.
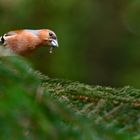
pixel 50 34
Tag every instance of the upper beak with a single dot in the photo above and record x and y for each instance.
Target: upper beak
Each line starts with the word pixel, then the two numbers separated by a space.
pixel 54 43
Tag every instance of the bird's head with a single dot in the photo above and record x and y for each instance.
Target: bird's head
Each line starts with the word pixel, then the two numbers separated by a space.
pixel 49 38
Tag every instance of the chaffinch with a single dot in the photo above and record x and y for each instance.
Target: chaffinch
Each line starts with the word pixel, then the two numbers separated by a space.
pixel 25 41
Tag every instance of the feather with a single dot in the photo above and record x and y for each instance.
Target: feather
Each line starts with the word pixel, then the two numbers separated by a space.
pixel 2 40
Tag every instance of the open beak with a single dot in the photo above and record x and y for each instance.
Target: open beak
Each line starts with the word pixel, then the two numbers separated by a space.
pixel 54 43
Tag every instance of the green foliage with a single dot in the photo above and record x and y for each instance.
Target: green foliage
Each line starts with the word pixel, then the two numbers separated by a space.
pixel 33 106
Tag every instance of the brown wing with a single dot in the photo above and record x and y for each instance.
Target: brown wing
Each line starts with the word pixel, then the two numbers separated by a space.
pixel 13 32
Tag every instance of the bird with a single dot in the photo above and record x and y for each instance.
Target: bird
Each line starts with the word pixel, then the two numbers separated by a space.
pixel 26 41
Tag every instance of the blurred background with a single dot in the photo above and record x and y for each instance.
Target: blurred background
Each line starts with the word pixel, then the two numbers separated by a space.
pixel 99 40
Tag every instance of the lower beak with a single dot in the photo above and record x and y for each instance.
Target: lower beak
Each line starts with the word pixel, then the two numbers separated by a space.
pixel 54 43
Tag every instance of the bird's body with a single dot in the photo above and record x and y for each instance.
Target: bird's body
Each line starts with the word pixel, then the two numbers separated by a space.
pixel 26 41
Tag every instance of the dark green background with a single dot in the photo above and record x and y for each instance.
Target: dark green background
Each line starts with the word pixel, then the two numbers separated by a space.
pixel 99 39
